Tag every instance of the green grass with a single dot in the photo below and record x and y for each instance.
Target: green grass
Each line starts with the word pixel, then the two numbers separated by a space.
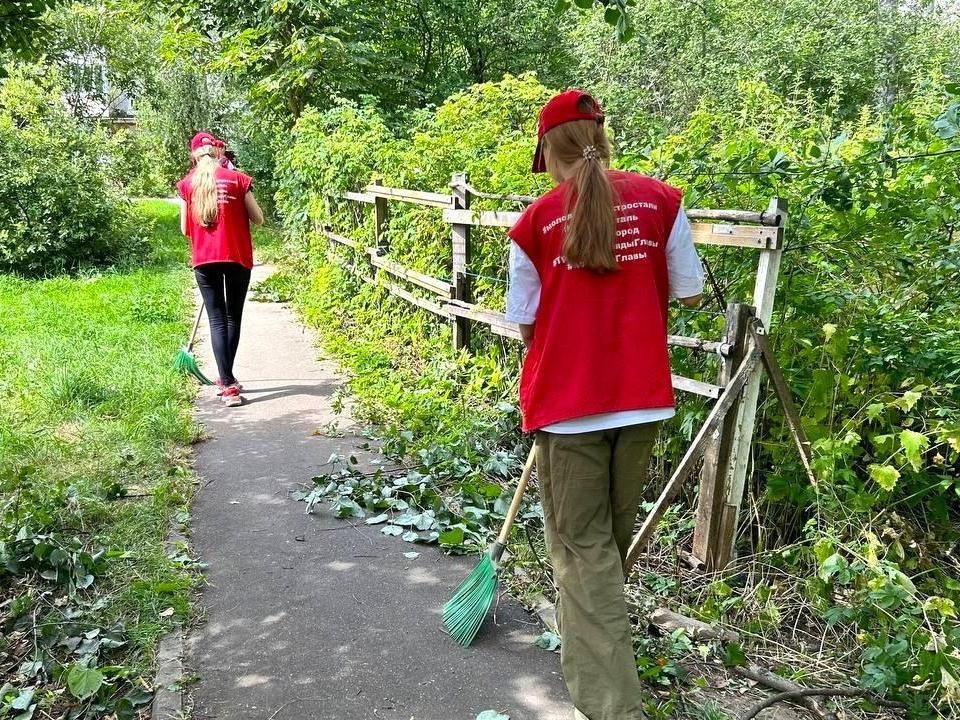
pixel 93 425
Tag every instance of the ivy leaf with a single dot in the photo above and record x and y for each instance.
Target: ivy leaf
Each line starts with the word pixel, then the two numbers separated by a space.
pixel 502 504
pixel 394 530
pixel 83 682
pixel 875 410
pixel 410 536
pixel 345 508
pixel 548 641
pixel 451 536
pixel 886 476
pixel 411 555
pixel 378 519
pixel 733 656
pixel 942 605
pixel 914 444
pixel 907 400
pixel 492 715
pixel 425 521
pixel 22 701
pixel 406 520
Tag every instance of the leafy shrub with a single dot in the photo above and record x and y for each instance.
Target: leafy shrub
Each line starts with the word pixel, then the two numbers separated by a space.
pixel 135 164
pixel 58 209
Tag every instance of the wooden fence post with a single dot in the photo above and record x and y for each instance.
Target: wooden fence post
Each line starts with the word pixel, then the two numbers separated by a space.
pixel 461 260
pixel 380 214
pixel 768 271
pixel 713 475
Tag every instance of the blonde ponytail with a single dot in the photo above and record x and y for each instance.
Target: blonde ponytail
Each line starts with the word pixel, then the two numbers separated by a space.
pixel 203 190
pixel 591 231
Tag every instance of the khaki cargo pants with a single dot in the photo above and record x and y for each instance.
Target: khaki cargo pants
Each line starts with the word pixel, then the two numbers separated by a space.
pixel 590 484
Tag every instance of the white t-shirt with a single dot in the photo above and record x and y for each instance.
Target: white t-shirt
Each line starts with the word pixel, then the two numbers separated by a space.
pixel 685 275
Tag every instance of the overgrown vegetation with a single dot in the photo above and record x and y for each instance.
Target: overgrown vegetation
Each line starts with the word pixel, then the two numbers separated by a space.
pixel 92 473
pixel 882 410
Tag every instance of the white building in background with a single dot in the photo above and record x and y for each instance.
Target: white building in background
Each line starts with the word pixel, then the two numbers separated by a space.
pixel 90 95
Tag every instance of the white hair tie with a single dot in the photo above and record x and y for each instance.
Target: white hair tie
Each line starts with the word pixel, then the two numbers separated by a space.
pixel 590 152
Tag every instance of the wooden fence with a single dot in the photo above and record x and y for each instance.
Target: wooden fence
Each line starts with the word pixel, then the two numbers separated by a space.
pixel 726 451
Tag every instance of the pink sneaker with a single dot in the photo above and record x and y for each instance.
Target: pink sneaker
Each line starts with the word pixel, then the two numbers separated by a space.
pixel 221 387
pixel 231 396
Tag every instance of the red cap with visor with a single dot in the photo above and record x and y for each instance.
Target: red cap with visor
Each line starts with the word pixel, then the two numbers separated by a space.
pixel 560 109
pixel 201 139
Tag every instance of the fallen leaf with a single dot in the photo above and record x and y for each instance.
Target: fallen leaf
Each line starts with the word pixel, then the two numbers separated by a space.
pixel 167 613
pixel 411 555
pixel 548 641
pixel 492 715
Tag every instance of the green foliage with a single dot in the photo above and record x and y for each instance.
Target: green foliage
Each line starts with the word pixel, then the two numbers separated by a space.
pixel 840 55
pixel 90 480
pixel 284 56
pixel 873 354
pixel 58 209
pixel 22 28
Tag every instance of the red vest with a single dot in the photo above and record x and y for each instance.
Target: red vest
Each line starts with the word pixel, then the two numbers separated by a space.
pixel 228 239
pixel 600 340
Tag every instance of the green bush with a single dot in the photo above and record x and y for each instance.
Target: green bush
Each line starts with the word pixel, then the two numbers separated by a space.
pixel 59 210
pixel 135 164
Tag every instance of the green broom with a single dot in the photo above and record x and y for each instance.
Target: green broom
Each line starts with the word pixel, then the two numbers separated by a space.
pixel 464 612
pixel 185 362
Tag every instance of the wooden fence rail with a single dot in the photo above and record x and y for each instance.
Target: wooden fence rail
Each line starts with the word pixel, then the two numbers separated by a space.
pixel 727 448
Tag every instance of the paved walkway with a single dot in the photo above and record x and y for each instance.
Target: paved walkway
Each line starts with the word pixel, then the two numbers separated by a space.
pixel 309 617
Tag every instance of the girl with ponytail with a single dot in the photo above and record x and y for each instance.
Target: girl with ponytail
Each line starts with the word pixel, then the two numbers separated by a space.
pixel 217 209
pixel 593 264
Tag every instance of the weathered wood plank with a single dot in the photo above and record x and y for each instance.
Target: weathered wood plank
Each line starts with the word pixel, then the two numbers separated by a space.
pixel 713 476
pixel 696 387
pixel 482 218
pixel 360 197
pixel 427 282
pixel 745 236
pixel 416 197
pixel 764 293
pixel 736 216
pixel 691 457
pixel 434 307
pixel 692 343
pixel 340 239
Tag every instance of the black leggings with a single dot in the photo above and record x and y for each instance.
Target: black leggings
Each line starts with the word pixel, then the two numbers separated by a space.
pixel 223 286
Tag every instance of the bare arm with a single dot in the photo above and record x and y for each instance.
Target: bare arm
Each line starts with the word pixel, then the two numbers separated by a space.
pixel 526 334
pixel 183 216
pixel 253 209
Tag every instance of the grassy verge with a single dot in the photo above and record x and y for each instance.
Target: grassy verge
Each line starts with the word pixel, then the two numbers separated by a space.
pixel 93 422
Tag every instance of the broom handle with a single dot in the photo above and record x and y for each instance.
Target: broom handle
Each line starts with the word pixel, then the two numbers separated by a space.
pixel 196 326
pixel 497 550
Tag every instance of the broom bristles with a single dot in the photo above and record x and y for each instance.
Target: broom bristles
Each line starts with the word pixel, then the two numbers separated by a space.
pixel 464 612
pixel 186 363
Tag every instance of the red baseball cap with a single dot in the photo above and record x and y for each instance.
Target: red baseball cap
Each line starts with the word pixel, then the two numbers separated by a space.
pixel 201 139
pixel 560 109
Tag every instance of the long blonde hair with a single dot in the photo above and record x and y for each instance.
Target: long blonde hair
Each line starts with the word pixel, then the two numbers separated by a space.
pixel 592 227
pixel 203 190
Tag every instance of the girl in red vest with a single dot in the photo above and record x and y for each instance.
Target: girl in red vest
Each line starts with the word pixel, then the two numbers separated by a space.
pixel 593 264
pixel 218 207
